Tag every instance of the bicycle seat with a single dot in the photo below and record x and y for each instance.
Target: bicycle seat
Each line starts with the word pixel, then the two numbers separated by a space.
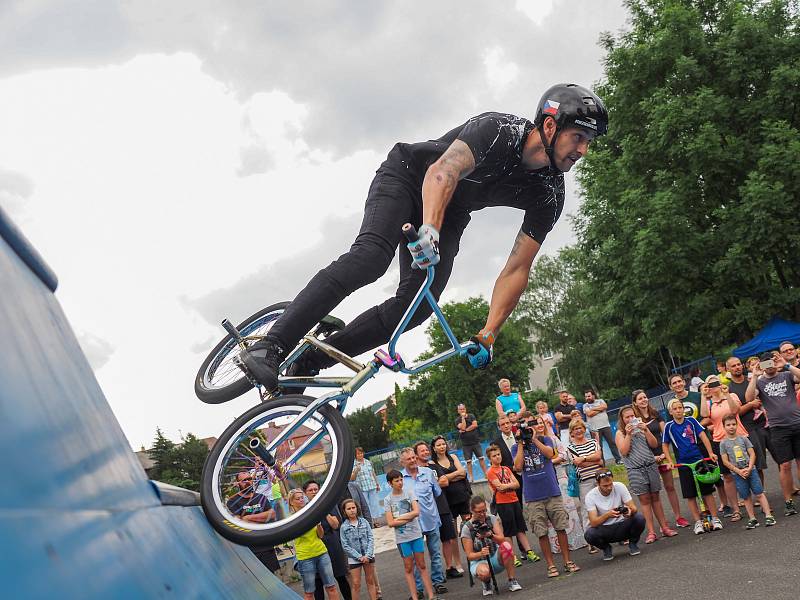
pixel 330 324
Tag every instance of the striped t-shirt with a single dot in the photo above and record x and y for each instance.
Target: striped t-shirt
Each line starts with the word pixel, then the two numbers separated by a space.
pixel 590 446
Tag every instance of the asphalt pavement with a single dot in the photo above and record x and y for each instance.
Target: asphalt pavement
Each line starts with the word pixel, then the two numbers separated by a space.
pixel 731 564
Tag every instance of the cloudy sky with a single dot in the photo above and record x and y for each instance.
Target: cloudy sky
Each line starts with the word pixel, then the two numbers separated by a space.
pixel 180 162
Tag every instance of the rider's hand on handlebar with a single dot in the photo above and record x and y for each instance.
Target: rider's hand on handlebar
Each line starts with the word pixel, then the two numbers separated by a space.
pixel 480 355
pixel 425 250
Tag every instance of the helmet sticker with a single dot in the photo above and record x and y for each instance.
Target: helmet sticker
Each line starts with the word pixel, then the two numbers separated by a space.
pixel 588 122
pixel 551 107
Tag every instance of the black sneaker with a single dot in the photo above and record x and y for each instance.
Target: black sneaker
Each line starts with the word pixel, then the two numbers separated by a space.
pixel 453 573
pixel 608 553
pixel 262 360
pixel 789 508
pixel 751 524
pixel 727 512
pixel 440 588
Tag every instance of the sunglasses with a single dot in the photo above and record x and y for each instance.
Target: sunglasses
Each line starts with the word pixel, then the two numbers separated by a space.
pixel 602 475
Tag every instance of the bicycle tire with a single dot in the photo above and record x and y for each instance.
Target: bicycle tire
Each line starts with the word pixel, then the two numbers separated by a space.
pixel 214 394
pixel 331 487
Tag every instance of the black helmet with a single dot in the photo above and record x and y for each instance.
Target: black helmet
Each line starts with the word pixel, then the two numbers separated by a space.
pixel 570 105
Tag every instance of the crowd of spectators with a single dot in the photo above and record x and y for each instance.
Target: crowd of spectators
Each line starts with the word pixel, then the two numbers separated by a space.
pixel 548 476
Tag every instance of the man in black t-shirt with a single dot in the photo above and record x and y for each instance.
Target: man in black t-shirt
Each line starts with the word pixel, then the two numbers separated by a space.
pixel 250 506
pixel 494 159
pixel 467 426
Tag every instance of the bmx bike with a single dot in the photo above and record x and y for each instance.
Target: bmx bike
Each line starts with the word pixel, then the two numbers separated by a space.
pixel 291 438
pixel 705 471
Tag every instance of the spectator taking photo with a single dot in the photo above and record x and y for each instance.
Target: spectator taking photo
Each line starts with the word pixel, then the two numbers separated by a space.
pixel 484 542
pixel 613 516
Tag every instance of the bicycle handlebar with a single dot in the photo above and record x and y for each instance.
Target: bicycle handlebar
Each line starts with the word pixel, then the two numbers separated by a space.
pixel 690 465
pixel 410 232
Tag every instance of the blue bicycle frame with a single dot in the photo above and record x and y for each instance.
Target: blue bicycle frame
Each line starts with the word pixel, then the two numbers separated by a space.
pixel 364 373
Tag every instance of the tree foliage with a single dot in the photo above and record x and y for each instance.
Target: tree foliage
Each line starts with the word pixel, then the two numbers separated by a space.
pixel 367 429
pixel 178 464
pixel 433 395
pixel 687 236
pixel 408 431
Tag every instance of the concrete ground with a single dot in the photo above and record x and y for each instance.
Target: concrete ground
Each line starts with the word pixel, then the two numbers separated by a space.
pixel 731 564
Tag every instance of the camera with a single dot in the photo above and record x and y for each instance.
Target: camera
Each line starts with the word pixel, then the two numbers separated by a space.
pixel 714 384
pixel 622 509
pixel 635 421
pixel 525 432
pixel 482 528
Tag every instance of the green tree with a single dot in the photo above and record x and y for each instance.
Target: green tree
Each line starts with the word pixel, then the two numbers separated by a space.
pixel 408 431
pixel 163 456
pixel 433 395
pixel 178 464
pixel 367 429
pixel 686 236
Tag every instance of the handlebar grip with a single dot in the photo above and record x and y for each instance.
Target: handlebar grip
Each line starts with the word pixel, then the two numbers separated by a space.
pixel 410 232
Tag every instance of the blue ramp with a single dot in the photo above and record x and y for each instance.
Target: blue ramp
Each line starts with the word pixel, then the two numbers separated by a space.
pixel 78 517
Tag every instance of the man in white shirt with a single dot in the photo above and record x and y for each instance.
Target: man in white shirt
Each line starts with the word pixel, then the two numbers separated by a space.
pixel 613 516
pixel 595 410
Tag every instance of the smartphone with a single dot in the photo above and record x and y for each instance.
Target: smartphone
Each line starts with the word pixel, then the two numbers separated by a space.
pixel 635 421
pixel 714 384
pixel 767 364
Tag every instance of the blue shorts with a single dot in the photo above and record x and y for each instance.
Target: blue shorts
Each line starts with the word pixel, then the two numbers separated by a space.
pixel 409 548
pixel 311 567
pixel 497 564
pixel 744 487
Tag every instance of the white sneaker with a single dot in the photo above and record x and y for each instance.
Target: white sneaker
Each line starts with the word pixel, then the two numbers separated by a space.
pixel 698 527
pixel 716 524
pixel 487 588
pixel 513 585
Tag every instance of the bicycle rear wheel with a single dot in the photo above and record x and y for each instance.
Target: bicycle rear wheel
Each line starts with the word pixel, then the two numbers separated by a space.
pixel 233 469
pixel 220 379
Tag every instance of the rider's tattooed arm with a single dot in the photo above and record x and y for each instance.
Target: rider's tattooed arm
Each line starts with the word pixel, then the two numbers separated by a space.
pixel 511 282
pixel 441 180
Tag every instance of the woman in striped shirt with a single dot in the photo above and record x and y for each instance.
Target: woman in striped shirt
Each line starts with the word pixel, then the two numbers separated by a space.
pixel 587 456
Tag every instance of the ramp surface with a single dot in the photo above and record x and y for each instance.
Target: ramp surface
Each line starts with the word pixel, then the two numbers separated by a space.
pixel 78 516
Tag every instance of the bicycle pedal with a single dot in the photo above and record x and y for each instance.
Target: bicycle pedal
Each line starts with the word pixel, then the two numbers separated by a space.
pixel 265 395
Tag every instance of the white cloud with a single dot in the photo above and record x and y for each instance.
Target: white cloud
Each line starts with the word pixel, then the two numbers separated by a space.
pixel 177 163
pixel 97 350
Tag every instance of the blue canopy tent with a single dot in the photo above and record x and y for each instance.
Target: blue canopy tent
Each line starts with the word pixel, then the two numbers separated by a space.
pixel 773 333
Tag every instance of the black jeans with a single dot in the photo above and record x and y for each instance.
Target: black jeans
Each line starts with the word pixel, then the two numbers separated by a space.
pixel 391 202
pixel 629 529
pixel 605 433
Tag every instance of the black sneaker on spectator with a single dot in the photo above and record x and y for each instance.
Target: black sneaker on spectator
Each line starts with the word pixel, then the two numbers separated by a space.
pixel 440 588
pixel 453 573
pixel 633 548
pixel 727 512
pixel 789 508
pixel 487 588
pixel 751 524
pixel 608 553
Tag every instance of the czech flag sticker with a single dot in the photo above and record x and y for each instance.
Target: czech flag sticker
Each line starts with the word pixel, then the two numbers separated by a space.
pixel 551 107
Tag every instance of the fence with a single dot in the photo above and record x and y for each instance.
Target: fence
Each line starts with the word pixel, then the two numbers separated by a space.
pixel 386 459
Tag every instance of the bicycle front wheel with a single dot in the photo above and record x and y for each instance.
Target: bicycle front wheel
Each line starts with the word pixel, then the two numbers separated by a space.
pixel 235 473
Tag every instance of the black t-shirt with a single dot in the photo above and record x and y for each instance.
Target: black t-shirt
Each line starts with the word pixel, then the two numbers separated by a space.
pixel 747 417
pixel 257 503
pixel 654 425
pixel 470 438
pixel 564 409
pixel 499 178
